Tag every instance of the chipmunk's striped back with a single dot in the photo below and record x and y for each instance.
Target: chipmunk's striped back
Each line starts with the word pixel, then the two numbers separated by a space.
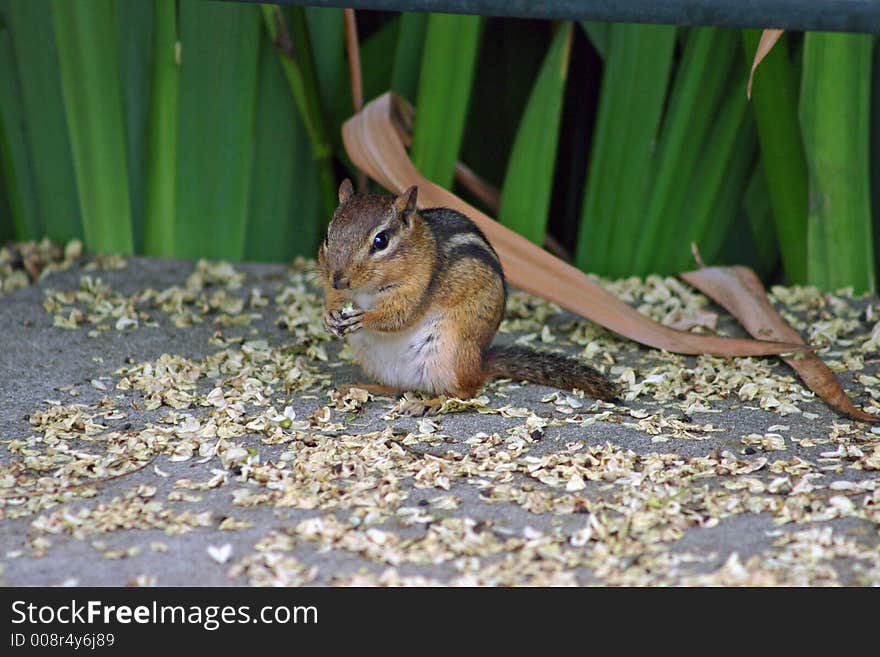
pixel 459 237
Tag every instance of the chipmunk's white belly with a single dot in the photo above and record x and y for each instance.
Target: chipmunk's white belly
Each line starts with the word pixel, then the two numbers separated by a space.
pixel 412 359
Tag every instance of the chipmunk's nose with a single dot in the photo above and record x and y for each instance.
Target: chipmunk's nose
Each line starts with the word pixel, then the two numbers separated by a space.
pixel 339 283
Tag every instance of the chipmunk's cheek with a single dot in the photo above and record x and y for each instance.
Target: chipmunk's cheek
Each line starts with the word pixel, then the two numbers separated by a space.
pixel 364 300
pixel 362 278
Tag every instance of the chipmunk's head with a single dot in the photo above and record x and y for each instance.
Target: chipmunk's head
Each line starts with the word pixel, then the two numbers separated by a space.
pixel 368 240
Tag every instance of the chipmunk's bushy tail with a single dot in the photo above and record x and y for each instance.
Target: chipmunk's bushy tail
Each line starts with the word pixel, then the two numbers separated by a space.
pixel 522 363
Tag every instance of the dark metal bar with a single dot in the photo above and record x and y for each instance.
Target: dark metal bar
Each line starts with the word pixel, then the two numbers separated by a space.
pixel 818 15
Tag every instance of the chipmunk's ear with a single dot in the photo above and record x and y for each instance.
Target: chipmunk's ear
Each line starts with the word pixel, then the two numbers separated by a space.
pixel 406 203
pixel 346 191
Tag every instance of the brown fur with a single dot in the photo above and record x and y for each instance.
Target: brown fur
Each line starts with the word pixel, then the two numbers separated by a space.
pixel 344 252
pixel 522 364
pixel 413 278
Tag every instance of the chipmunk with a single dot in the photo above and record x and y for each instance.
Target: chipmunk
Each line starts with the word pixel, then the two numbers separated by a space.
pixel 419 294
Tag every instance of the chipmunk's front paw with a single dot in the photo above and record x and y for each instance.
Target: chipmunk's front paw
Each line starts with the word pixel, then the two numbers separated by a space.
pixel 343 321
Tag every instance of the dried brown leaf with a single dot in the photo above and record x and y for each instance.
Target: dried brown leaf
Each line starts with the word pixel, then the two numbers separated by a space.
pixel 740 291
pixel 375 140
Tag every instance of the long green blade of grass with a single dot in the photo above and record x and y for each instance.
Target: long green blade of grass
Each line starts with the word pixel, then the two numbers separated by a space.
pixel 161 174
pixel 88 54
pixel 15 159
pixel 740 247
pixel 758 211
pixel 712 224
pixel 218 83
pixel 510 56
pixel 774 104
pixel 36 58
pixel 285 202
pixel 875 148
pixel 134 24
pixel 834 111
pixel 631 102
pixel 697 212
pixel 408 54
pixel 7 231
pixel 699 84
pixel 326 29
pixel 294 48
pixel 448 63
pixel 525 197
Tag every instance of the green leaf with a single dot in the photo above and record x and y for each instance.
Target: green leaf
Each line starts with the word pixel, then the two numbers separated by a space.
pixel 376 64
pixel 294 49
pixel 447 71
pixel 36 58
pixel 510 56
pixel 599 35
pixel 284 217
pixel 326 28
pixel 161 174
pixel 528 184
pixel 134 24
pixel 699 85
pixel 758 211
pixel 408 54
pixel 707 202
pixel 875 147
pixel 304 58
pixel 834 111
pixel 724 195
pixel 6 228
pixel 774 104
pixel 23 220
pixel 218 82
pixel 633 93
pixel 88 54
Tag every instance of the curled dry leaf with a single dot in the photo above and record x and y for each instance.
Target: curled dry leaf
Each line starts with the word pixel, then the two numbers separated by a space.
pixel 375 141
pixel 740 291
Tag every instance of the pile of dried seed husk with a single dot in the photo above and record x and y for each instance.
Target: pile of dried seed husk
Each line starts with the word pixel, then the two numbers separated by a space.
pixel 250 447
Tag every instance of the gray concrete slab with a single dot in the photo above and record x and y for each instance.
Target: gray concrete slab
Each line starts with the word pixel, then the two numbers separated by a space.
pixel 693 480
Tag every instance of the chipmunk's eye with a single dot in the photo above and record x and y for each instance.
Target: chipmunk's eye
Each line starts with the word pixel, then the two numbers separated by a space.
pixel 380 241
